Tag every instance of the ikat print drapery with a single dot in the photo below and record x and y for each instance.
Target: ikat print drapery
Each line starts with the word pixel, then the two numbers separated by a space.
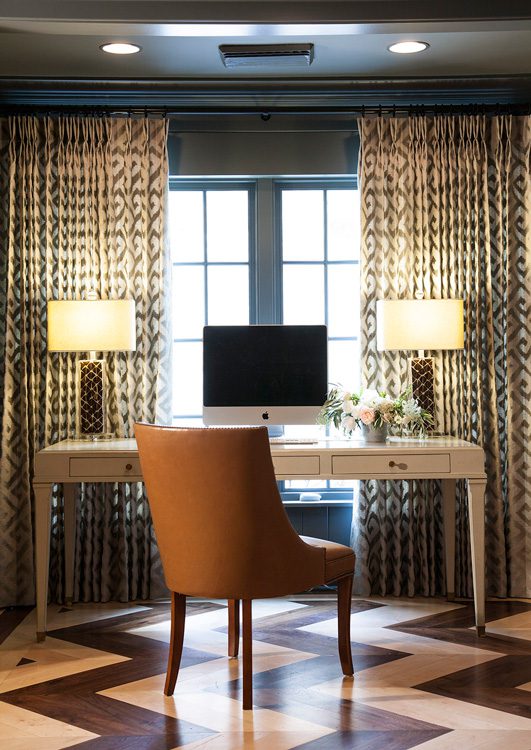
pixel 82 205
pixel 445 206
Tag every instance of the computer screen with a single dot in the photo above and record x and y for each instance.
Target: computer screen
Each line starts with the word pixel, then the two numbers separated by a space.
pixel 264 374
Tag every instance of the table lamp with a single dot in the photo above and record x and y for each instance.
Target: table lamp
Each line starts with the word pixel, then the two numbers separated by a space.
pixel 420 324
pixel 92 326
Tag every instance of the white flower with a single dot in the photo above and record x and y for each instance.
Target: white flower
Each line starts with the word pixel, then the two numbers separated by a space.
pixel 347 405
pixel 355 411
pixel 370 398
pixel 348 424
pixel 411 411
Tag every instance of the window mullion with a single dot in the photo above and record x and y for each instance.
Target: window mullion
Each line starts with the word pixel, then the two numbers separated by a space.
pixel 205 253
pixel 266 272
pixel 325 254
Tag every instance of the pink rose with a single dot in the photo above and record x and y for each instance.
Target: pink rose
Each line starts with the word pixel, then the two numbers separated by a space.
pixel 367 415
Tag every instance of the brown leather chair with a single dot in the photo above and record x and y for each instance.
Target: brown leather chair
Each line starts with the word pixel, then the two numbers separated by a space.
pixel 223 533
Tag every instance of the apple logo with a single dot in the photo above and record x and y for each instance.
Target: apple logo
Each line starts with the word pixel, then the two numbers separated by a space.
pixel 265 415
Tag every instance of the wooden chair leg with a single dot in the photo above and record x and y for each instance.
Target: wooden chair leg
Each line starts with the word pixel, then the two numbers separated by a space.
pixel 344 594
pixel 234 627
pixel 178 614
pixel 247 654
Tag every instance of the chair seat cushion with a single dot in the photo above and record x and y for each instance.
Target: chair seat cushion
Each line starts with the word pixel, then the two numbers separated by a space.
pixel 339 559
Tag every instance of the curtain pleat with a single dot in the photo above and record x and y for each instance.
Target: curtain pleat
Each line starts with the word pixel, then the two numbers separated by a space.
pixel 83 207
pixel 445 206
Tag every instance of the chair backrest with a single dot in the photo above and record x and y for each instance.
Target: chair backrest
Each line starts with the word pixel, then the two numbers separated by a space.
pixel 220 524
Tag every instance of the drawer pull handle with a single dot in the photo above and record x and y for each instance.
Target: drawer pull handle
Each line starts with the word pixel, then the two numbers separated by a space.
pixel 128 467
pixel 394 465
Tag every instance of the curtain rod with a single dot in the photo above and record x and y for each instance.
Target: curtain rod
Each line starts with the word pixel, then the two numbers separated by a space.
pixel 266 113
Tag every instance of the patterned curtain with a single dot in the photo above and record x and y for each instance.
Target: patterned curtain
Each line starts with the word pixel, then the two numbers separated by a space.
pixel 446 211
pixel 83 204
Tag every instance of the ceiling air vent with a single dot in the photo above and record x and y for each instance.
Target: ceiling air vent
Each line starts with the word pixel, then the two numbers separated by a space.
pixel 266 55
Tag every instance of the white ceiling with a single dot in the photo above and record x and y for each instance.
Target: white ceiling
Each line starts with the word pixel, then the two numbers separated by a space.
pixel 61 39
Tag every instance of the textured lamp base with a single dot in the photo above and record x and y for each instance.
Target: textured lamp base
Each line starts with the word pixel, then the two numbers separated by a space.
pixel 92 400
pixel 422 383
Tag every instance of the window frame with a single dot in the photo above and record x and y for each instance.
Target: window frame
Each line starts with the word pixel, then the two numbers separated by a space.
pixel 314 184
pixel 204 186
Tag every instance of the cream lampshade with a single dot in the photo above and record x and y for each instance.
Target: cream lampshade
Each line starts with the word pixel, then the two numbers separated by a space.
pixel 420 324
pixel 103 325
pixel 91 326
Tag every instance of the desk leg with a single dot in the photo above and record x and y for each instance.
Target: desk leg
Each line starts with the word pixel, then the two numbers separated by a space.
pixel 448 495
pixel 69 495
pixel 476 513
pixel 42 553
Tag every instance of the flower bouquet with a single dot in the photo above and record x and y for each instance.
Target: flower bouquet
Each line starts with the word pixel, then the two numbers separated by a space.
pixel 374 411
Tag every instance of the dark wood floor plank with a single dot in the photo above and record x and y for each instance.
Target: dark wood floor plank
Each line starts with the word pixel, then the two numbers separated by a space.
pixel 345 715
pixel 363 740
pixel 102 715
pixel 491 684
pixel 146 742
pixel 10 618
pixel 467 637
pixel 462 617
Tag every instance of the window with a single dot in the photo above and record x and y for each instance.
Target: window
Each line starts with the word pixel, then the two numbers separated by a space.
pixel 263 251
pixel 211 247
pixel 320 267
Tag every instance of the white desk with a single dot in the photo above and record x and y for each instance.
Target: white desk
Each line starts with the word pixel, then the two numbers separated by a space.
pixel 72 461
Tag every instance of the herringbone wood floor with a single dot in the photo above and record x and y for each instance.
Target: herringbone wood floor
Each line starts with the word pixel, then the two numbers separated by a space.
pixel 422 678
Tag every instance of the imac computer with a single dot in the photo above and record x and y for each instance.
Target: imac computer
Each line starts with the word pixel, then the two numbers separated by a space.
pixel 264 374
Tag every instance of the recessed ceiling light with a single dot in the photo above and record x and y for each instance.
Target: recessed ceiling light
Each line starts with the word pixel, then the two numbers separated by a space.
pixel 120 48
pixel 408 48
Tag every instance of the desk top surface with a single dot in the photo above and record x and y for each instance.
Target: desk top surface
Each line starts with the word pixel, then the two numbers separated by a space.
pixel 393 444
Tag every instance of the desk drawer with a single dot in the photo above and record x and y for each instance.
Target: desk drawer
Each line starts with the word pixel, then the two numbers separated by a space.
pixel 400 463
pixel 307 466
pixel 102 468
